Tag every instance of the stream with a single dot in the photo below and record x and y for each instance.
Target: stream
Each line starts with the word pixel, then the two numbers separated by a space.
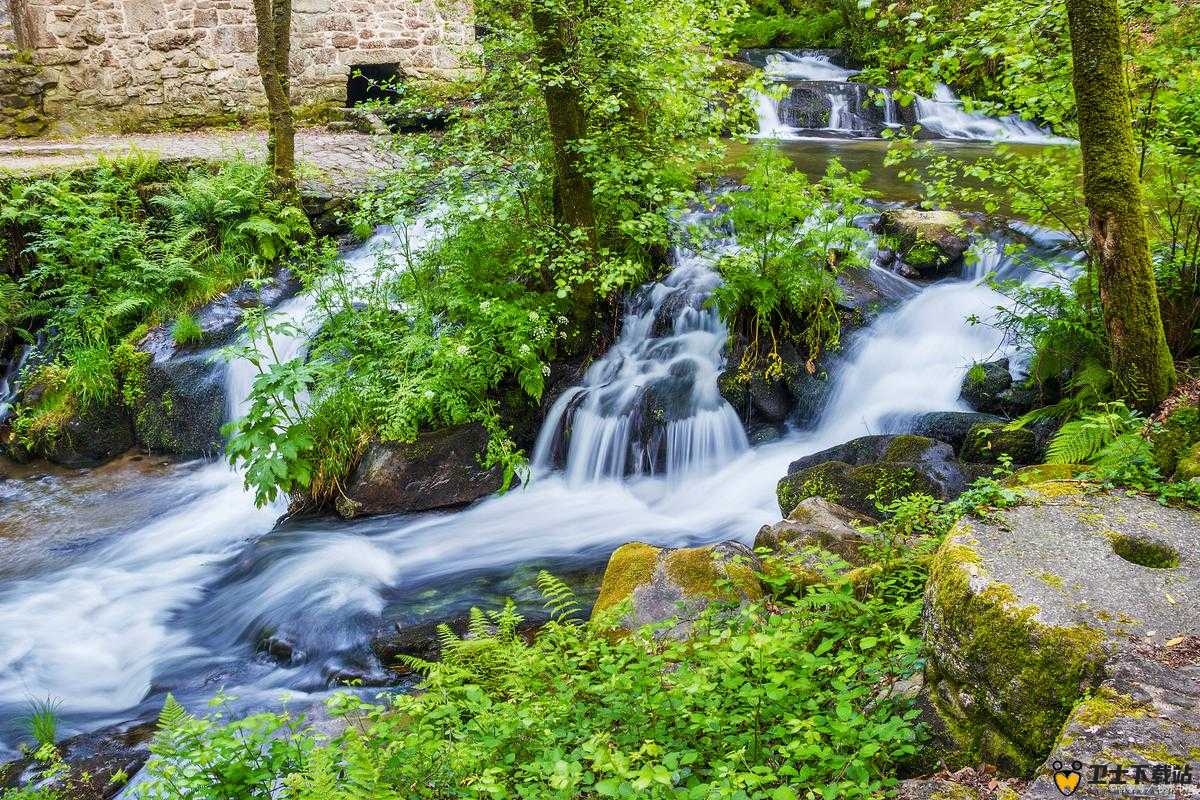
pixel 142 577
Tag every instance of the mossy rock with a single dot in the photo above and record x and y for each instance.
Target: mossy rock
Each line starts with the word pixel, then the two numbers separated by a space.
pixel 817 539
pixel 931 242
pixel 1027 613
pixel 986 442
pixel 647 585
pixel 856 488
pixel 1175 438
pixel 1188 466
pixel 1042 473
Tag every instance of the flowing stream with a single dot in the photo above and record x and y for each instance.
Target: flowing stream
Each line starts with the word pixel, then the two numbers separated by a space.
pixel 176 587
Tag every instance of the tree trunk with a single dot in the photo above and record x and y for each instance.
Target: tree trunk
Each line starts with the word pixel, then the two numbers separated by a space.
pixel 274 20
pixel 573 205
pixel 1120 243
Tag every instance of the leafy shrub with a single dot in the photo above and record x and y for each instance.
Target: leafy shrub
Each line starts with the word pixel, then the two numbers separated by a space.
pixel 759 705
pixel 795 238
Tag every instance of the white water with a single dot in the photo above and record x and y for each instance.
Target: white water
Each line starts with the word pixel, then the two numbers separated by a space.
pixel 945 116
pixel 651 404
pixel 180 602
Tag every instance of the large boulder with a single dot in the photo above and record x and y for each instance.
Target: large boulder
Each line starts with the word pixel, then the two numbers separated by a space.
pixel 92 436
pixel 439 469
pixel 97 766
pixel 931 242
pixel 952 427
pixel 1030 612
pixel 871 469
pixel 183 399
pixel 989 387
pixel 1175 436
pixel 652 585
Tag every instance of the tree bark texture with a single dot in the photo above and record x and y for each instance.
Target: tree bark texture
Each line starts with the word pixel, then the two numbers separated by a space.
pixel 274 21
pixel 1140 359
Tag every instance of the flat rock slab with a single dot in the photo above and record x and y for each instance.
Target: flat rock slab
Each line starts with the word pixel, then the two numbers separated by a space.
pixel 1029 613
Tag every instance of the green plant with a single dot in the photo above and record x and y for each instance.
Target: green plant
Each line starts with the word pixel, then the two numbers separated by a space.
pixel 796 237
pixel 186 329
pixel 42 719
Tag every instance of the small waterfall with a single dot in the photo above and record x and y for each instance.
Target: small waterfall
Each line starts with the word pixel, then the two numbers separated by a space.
pixel 651 405
pixel 806 66
pixel 9 382
pixel 945 117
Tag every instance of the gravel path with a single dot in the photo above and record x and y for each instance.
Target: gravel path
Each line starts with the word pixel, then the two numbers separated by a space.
pixel 344 160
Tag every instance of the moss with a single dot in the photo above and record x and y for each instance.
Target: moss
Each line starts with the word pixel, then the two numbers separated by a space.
pixel 698 571
pixel 1142 551
pixel 1040 473
pixel 1175 438
pixel 986 442
pixel 1057 488
pixel 853 487
pixel 907 448
pixel 629 566
pixel 1188 466
pixel 955 791
pixel 1105 706
pixel 1023 676
pixel 1050 579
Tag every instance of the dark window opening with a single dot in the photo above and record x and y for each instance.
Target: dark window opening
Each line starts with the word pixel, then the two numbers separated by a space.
pixel 372 82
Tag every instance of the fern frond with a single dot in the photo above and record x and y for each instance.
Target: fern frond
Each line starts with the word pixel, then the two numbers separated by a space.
pixel 561 600
pixel 1076 442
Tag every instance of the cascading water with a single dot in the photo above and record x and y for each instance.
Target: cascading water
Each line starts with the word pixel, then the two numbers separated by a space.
pixel 820 100
pixel 651 404
pixel 180 595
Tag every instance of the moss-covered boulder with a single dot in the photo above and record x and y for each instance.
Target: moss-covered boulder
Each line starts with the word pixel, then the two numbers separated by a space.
pixel 1175 437
pixel 91 436
pixel 816 533
pixel 1028 613
pixel 1188 466
pixel 647 585
pixel 931 242
pixel 952 427
pixel 986 442
pixel 870 470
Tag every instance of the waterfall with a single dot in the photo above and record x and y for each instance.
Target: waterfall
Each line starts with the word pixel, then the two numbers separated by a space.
pixel 944 116
pixel 812 75
pixel 651 405
pixel 8 382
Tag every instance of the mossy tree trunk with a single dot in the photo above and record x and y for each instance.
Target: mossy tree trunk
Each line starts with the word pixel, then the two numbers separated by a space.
pixel 574 208
pixel 274 21
pixel 1120 243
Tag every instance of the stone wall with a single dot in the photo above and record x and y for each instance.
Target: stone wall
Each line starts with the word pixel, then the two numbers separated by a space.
pixel 133 64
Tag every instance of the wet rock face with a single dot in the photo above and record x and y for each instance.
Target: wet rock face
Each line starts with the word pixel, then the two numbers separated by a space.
pixel 952 427
pixel 438 470
pixel 1059 597
pixel 183 404
pixel 665 584
pixel 888 466
pixel 931 242
pixel 989 387
pixel 93 436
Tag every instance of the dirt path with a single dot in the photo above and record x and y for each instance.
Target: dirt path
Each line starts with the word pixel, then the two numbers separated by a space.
pixel 343 161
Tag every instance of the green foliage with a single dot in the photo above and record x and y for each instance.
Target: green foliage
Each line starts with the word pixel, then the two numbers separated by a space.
pixel 186 329
pixel 41 720
pixel 796 237
pixel 101 264
pixel 211 759
pixel 443 332
pixel 798 702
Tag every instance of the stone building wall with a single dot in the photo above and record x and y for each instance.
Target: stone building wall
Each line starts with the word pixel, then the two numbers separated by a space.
pixel 132 64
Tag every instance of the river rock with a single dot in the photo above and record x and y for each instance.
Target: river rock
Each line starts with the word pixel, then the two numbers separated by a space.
pixel 183 402
pixel 92 436
pixel 440 469
pixel 986 442
pixel 990 388
pixel 952 427
pixel 676 584
pixel 931 242
pixel 92 759
pixel 888 466
pixel 1066 594
pixel 815 527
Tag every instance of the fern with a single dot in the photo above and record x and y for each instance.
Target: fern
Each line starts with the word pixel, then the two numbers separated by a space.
pixel 1087 439
pixel 560 598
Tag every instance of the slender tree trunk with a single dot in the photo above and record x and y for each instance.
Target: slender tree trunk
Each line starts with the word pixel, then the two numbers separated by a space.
pixel 274 20
pixel 1120 243
pixel 573 204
